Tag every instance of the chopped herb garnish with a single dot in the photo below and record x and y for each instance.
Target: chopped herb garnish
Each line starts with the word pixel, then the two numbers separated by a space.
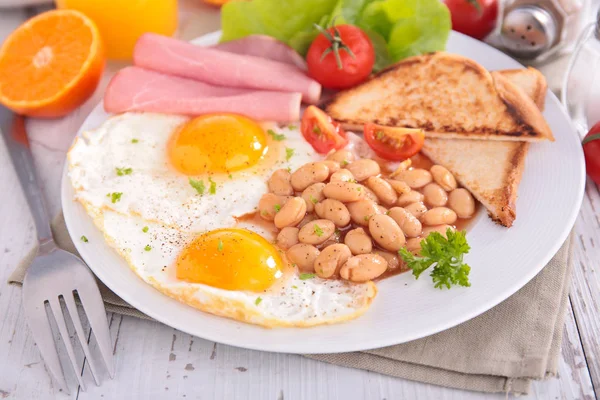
pixel 318 230
pixel 337 231
pixel 116 196
pixel 291 126
pixel 305 276
pixel 84 239
pixel 316 129
pixel 446 256
pixel 134 140
pixel 379 135
pixel 145 229
pixel 258 300
pixel 123 171
pixel 387 212
pixel 313 200
pixel 289 152
pixel 278 137
pixel 344 163
pixel 367 217
pixel 220 246
pixel 230 176
pixel 359 188
pixel 147 248
pixel 264 213
pixel 107 194
pixel 198 185
pixel 294 287
pixel 289 169
pixel 277 207
pixel 213 186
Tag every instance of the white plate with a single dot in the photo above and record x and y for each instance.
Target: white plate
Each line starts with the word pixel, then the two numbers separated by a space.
pixel 502 260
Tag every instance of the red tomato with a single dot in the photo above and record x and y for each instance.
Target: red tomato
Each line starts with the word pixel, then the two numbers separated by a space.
pixel 591 150
pixel 341 57
pixel 393 144
pixel 476 18
pixel 323 133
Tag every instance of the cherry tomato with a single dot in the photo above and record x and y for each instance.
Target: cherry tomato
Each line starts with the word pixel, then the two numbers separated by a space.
pixel 340 57
pixel 323 133
pixel 591 151
pixel 476 18
pixel 393 144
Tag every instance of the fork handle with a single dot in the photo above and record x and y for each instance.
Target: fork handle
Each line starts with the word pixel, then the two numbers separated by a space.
pixel 13 130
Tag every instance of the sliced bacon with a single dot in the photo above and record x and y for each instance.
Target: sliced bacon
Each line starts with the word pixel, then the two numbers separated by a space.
pixel 264 46
pixel 138 89
pixel 175 57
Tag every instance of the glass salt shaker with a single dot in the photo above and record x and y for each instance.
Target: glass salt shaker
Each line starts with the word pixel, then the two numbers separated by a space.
pixel 581 85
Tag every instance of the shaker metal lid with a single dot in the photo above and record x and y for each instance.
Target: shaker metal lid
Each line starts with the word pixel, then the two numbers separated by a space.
pixel 528 31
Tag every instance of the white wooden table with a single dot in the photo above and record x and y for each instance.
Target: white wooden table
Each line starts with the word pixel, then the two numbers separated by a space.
pixel 154 361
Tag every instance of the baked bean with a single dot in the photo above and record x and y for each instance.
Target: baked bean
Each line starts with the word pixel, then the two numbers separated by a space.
pixel 416 209
pixel 333 210
pixel 438 228
pixel 409 198
pixel 392 259
pixel 328 263
pixel 415 178
pixel 435 196
pixel 414 245
pixel 316 232
pixel 369 194
pixel 443 177
pixel 308 174
pixel 269 205
pixel 343 157
pixel 403 166
pixel 332 165
pixel 342 175
pixel 344 191
pixel 399 186
pixel 409 224
pixel 461 201
pixel 363 267
pixel 362 210
pixel 386 232
pixel 287 237
pixel 358 241
pixel 291 213
pixel 363 168
pixel 279 183
pixel 382 189
pixel 439 216
pixel 303 255
pixel 312 195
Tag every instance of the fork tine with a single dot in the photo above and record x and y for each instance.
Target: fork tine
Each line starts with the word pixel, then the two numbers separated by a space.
pixel 62 328
pixel 72 308
pixel 96 315
pixel 39 326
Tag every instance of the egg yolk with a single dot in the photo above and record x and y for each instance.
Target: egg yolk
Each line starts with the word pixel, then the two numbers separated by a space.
pixel 217 143
pixel 232 259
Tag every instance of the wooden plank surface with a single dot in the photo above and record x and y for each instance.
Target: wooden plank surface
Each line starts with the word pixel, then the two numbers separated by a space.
pixel 155 361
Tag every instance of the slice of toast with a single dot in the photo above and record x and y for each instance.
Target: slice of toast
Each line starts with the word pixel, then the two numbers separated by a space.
pixel 446 95
pixel 495 184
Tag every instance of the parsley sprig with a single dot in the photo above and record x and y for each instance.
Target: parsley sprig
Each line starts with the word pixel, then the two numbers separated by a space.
pixel 446 256
pixel 278 137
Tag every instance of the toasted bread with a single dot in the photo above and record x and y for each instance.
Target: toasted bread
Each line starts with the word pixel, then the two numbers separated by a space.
pixel 496 184
pixel 446 95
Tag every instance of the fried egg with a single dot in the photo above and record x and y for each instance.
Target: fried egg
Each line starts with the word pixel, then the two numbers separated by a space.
pixel 170 194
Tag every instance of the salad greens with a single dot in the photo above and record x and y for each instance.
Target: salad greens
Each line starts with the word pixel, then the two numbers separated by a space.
pixel 397 28
pixel 446 256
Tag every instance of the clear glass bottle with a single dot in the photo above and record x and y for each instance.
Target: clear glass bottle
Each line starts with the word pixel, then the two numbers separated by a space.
pixel 581 85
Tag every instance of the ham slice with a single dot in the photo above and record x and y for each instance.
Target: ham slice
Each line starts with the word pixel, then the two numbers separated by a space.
pixel 175 57
pixel 138 89
pixel 263 46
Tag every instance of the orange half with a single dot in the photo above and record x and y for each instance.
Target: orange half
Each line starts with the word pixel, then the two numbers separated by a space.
pixel 51 64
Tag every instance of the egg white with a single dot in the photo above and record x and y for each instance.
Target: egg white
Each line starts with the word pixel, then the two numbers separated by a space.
pixel 155 190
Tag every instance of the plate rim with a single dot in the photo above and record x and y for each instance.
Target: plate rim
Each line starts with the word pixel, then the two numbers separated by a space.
pixel 435 328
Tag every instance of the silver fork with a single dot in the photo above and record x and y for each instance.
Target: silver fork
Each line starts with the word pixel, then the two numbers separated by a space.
pixel 55 274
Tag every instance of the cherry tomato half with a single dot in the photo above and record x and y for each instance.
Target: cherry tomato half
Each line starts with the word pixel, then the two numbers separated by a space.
pixel 323 133
pixel 476 18
pixel 393 144
pixel 591 150
pixel 340 57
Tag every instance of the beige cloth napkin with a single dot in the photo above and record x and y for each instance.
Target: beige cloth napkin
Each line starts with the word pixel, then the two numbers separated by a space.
pixel 502 350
